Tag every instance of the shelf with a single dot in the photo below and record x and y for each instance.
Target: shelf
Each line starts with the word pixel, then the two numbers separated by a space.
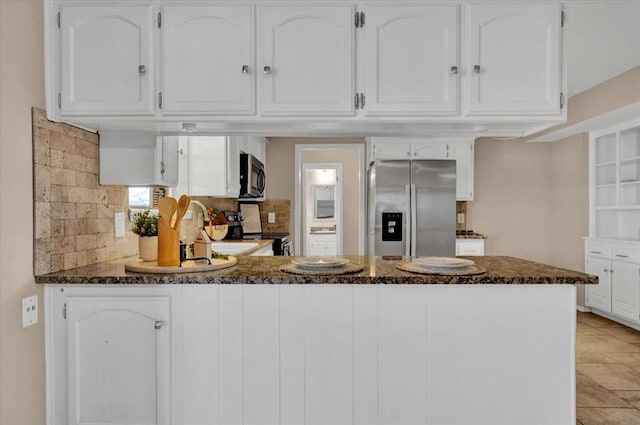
pixel 603 164
pixel 619 208
pixel 625 183
pixel 635 158
pixel 605 185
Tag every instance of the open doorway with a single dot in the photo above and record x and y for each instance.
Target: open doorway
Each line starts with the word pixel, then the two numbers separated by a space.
pixel 345 161
pixel 322 227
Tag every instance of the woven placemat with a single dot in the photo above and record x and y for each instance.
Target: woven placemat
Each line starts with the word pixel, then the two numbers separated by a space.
pixel 348 268
pixel 410 266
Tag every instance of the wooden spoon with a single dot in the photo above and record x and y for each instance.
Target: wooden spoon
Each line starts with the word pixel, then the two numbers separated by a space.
pixel 183 206
pixel 167 207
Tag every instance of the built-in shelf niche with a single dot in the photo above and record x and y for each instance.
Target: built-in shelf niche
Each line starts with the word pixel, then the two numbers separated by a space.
pixel 615 182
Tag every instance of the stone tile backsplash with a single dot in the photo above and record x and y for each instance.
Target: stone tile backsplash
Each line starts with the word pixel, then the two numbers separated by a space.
pixel 73 213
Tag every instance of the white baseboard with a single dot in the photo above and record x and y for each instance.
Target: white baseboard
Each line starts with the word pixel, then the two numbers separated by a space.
pixel 583 309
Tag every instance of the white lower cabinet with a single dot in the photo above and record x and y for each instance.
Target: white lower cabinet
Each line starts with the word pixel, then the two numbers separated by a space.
pixel 470 247
pixel 322 244
pixel 266 251
pixel 109 356
pixel 618 269
pixel 309 354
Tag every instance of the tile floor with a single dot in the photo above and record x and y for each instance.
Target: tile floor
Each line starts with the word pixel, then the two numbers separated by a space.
pixel 608 372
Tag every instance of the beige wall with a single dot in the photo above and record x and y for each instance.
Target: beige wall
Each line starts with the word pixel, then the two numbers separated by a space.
pixel 21 87
pixel 281 175
pixel 532 200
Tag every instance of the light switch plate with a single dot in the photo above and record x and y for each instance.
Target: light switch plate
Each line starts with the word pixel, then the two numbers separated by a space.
pixel 29 311
pixel 460 218
pixel 119 224
pixel 271 217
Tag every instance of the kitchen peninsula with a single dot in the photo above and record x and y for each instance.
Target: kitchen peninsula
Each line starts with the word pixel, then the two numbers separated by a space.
pixel 254 345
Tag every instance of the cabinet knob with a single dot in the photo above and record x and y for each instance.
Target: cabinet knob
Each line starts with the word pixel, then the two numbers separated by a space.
pixel 606 270
pixel 158 324
pixel 476 69
pixel 245 69
pixel 266 70
pixel 142 70
pixel 453 70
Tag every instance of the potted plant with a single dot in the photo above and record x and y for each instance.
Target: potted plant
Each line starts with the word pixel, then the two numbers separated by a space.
pixel 145 225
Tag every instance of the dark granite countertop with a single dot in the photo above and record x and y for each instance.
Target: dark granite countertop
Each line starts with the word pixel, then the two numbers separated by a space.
pixel 377 270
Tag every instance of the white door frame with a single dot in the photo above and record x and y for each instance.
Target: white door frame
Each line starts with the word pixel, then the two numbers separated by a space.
pixel 299 148
pixel 338 216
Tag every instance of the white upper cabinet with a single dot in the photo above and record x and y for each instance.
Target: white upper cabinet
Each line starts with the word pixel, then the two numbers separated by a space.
pixel 411 59
pixel 107 65
pixel 306 59
pixel 514 58
pixel 208 60
pixel 463 154
pixel 212 166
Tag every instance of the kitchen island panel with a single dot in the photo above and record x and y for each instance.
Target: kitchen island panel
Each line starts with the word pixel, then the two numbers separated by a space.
pixel 451 354
pixel 353 354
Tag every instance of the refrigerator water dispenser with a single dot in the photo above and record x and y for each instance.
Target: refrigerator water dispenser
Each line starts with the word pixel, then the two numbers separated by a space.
pixel 391 226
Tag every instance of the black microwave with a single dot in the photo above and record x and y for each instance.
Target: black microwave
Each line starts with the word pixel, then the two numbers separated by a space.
pixel 252 177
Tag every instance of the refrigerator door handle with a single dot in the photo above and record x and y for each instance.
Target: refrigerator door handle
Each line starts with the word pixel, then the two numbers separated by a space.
pixel 414 220
pixel 409 219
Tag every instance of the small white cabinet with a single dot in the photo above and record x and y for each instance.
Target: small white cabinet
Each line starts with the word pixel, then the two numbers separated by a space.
pixel 266 251
pixel 515 58
pixel 306 59
pixel 149 160
pixel 209 166
pixel 411 60
pixel 617 265
pixel 322 244
pixel 470 247
pixel 109 355
pixel 208 60
pixel 383 148
pixel 107 60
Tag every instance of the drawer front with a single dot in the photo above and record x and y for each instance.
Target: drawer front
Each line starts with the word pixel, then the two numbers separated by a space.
pixel 598 251
pixel 625 254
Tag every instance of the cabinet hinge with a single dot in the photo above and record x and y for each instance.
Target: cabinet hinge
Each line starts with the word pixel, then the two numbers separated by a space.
pixel 159 20
pixel 58 19
pixel 358 19
pixel 64 311
pixel 561 100
pixel 160 100
pixel 59 100
pixel 562 19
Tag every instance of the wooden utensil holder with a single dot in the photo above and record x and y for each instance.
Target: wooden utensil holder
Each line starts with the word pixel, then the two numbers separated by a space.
pixel 168 245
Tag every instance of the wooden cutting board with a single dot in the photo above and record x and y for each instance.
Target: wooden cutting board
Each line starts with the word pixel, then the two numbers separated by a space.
pixel 188 266
pixel 217 232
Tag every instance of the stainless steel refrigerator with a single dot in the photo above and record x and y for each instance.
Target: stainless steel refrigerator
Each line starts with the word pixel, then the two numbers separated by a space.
pixel 412 208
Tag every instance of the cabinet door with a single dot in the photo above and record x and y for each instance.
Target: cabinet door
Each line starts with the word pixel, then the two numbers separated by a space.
pixel 392 150
pixel 208 165
pixel 306 60
pixel 207 55
pixel 599 296
pixel 107 60
pixel 167 161
pixel 233 166
pixel 470 247
pixel 429 151
pixel 463 154
pixel 410 52
pixel 515 58
pixel 625 290
pixel 118 360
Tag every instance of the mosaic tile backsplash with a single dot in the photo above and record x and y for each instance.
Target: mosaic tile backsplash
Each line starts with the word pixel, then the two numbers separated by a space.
pixel 73 213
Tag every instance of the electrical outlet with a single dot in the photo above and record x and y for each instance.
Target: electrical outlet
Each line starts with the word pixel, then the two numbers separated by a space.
pixel 119 224
pixel 271 217
pixel 461 218
pixel 29 311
